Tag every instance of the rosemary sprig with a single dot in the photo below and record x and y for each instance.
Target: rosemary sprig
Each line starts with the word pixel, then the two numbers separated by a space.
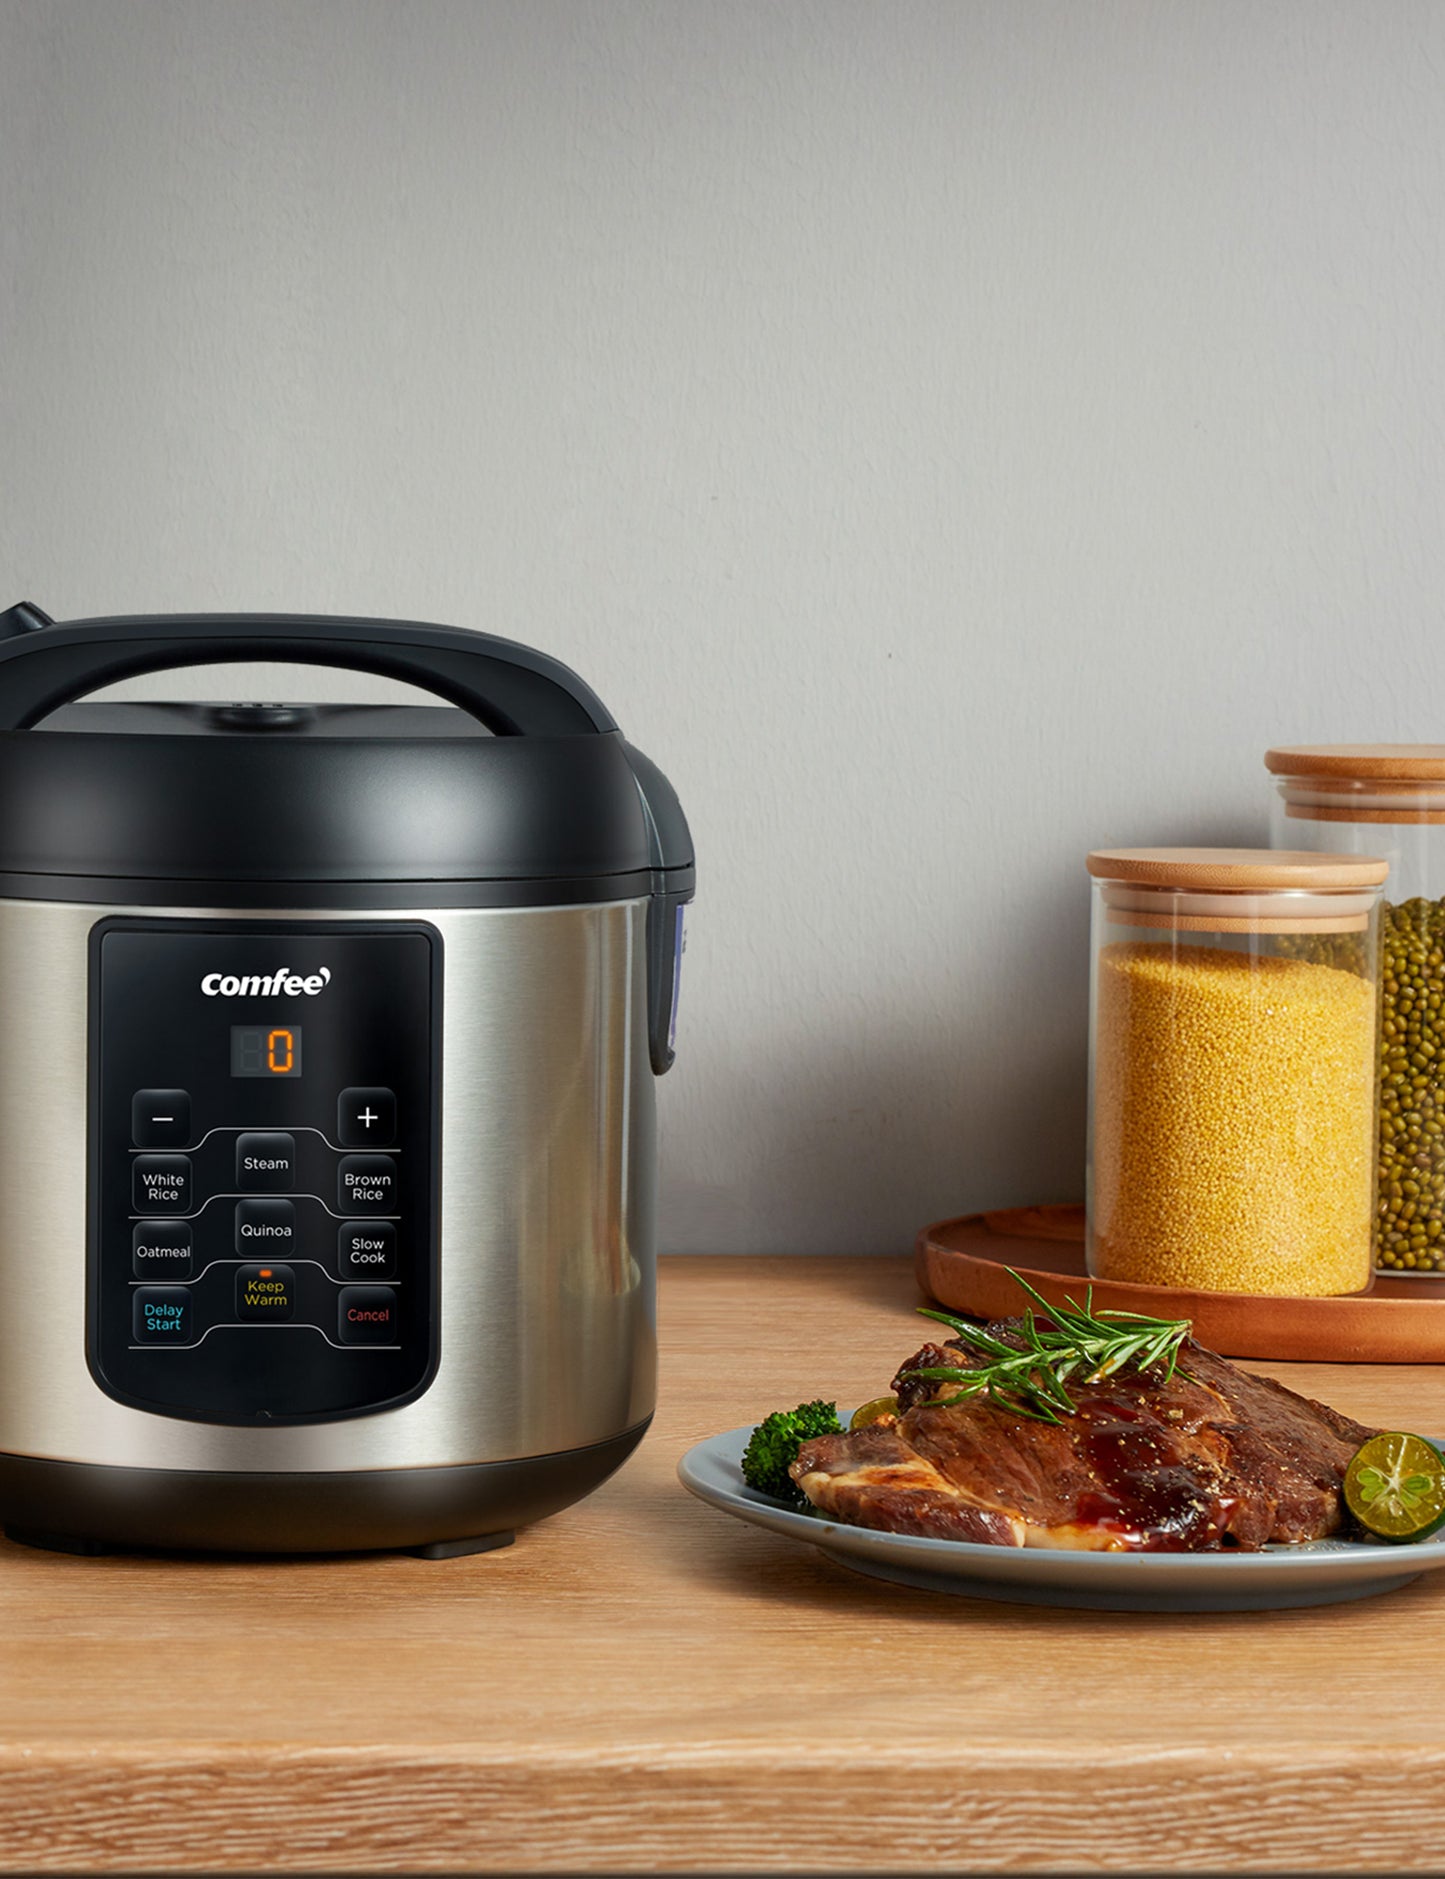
pixel 1031 1378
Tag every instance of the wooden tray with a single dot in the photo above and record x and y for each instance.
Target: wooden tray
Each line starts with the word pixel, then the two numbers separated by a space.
pixel 962 1264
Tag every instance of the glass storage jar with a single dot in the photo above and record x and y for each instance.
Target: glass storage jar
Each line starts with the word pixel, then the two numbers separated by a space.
pixel 1232 1069
pixel 1389 800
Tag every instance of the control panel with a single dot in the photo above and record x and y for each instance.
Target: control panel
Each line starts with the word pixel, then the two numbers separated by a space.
pixel 263 1167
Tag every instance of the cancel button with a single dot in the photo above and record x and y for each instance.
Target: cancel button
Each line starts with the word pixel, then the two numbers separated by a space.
pixel 366 1314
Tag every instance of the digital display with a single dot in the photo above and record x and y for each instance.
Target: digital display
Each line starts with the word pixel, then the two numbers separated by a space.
pixel 265 1050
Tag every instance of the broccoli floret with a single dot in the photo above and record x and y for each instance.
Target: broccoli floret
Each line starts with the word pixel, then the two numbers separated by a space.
pixel 776 1441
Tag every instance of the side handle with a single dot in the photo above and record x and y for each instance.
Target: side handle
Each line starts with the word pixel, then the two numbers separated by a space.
pixel 674 878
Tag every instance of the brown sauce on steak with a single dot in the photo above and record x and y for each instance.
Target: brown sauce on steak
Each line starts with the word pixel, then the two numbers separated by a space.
pixel 1209 1457
pixel 1149 1494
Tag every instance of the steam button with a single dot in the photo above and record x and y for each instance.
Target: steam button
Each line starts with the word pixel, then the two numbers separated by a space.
pixel 161 1184
pixel 265 1162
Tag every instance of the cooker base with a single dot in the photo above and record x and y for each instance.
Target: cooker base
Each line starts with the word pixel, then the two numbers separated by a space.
pixel 437 1513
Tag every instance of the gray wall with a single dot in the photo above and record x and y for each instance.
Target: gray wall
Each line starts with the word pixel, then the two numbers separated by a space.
pixel 950 436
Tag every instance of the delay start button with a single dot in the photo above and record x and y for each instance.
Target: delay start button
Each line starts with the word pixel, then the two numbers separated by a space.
pixel 162 1314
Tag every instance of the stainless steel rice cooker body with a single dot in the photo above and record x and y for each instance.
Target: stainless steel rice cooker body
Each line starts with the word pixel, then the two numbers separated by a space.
pixel 326 1091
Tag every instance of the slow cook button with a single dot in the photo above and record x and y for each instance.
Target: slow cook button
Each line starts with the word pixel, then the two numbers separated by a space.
pixel 162 1314
pixel 366 1184
pixel 161 1184
pixel 265 1162
pixel 265 1292
pixel 265 1226
pixel 161 1249
pixel 366 1314
pixel 367 1251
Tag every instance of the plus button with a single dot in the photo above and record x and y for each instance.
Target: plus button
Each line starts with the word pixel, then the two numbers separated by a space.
pixel 364 1116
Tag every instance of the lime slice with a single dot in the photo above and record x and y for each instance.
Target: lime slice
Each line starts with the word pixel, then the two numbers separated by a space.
pixel 873 1412
pixel 1395 1486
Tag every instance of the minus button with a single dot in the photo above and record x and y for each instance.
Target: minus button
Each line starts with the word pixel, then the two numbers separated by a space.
pixel 160 1118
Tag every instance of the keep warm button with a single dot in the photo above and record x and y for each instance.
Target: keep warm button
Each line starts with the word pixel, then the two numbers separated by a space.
pixel 265 1292
pixel 366 1184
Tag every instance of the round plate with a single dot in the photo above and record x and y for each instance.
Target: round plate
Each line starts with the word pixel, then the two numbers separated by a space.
pixel 1322 1572
pixel 964 1264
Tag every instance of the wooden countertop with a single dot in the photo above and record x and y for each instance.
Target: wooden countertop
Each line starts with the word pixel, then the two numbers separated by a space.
pixel 644 1683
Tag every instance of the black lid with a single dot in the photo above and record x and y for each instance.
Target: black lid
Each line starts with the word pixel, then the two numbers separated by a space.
pixel 523 780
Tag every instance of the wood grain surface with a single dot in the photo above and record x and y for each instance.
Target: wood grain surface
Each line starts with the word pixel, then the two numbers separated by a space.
pixel 644 1684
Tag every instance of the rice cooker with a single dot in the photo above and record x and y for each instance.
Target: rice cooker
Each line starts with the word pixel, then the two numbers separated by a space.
pixel 328 1036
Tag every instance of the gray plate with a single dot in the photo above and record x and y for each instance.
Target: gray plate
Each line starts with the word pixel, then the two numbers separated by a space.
pixel 1324 1572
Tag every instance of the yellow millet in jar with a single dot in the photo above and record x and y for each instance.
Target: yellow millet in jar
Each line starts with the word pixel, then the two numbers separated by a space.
pixel 1233 1122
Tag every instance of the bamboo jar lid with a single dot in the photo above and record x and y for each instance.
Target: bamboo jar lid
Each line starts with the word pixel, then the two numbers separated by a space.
pixel 1361 782
pixel 1365 763
pixel 1237 890
pixel 1238 870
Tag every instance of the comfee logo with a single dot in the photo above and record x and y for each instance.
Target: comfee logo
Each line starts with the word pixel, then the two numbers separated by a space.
pixel 283 982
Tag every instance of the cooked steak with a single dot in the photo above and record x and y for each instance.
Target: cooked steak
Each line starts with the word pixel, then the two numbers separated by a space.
pixel 1213 1457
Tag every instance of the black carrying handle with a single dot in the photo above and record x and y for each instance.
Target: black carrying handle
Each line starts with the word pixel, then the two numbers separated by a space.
pixel 511 689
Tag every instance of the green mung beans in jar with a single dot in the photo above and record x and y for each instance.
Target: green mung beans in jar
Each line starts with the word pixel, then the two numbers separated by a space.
pixel 1410 1224
pixel 1390 800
